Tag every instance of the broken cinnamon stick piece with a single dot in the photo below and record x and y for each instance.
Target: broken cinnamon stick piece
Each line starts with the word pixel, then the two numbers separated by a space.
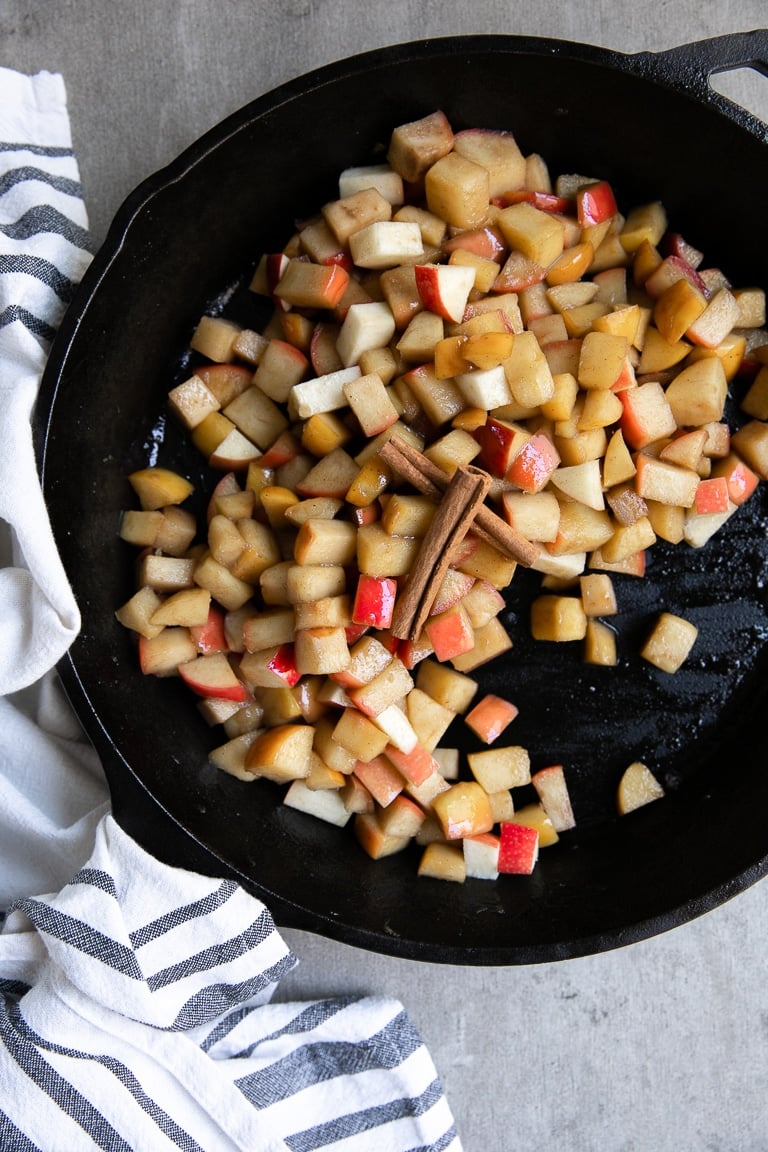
pixel 430 480
pixel 463 496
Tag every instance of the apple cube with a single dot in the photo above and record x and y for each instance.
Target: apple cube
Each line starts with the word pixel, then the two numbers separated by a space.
pixel 452 689
pixel 558 618
pixel 666 483
pixel 429 719
pixel 187 608
pixel 518 849
pixel 602 359
pixel 637 787
pixel 214 338
pixel 444 288
pixel 457 190
pixel 443 862
pixel 497 769
pixel 137 612
pixel 382 177
pixel 257 417
pixel 365 327
pixel 740 479
pixel 491 640
pixel 373 840
pixel 600 644
pixel 528 372
pixel 386 243
pixel 481 856
pixel 450 633
pixel 381 778
pixel 391 684
pixel 716 321
pixel 552 790
pixel 463 810
pixel 416 146
pixel 670 642
pixel 598 595
pixel 417 343
pixel 750 443
pixel 581 482
pixel 697 395
pixel 321 650
pixel 647 415
pixel 371 403
pixel 485 388
pixel 192 401
pixel 281 754
pixel 350 214
pixel 534 816
pixel 490 717
pixel 156 487
pixel 230 757
pixel 538 235
pixel 271 668
pixel 498 152
pixel 325 804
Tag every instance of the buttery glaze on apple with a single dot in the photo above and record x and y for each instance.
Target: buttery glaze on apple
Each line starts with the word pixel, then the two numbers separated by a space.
pixel 453 302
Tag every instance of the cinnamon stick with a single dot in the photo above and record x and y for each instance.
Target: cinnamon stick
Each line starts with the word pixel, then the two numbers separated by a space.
pixel 463 496
pixel 430 480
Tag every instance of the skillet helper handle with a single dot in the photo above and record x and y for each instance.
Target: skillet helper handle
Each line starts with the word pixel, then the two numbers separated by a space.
pixel 690 66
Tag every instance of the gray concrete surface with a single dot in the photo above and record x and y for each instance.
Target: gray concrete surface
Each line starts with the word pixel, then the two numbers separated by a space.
pixel 659 1047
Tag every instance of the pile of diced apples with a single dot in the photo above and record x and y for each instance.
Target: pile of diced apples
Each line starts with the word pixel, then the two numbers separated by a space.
pixel 455 296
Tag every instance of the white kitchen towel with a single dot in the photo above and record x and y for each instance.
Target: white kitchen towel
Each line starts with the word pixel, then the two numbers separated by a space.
pixel 135 1015
pixel 135 1009
pixel 53 790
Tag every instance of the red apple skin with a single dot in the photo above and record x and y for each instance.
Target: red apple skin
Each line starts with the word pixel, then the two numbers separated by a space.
pixel 595 203
pixel 374 601
pixel 211 636
pixel 741 480
pixel 203 687
pixel 676 245
pixel 322 349
pixel 227 486
pixel 544 201
pixel 480 241
pixel 518 850
pixel 534 464
pixel 495 439
pixel 283 664
pixel 285 448
pixel 343 259
pixel 712 495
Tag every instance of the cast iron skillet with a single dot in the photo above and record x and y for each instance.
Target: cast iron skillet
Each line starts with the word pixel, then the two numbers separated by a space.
pixel 185 242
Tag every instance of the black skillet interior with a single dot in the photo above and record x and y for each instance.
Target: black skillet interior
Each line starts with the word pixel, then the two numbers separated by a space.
pixel 185 242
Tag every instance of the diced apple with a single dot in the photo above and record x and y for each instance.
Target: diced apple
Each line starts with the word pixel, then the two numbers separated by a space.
pixel 637 787
pixel 281 754
pixel 670 642
pixel 457 190
pixel 552 789
pixel 156 487
pixel 463 810
pixel 697 394
pixel 272 668
pixel 416 146
pixel 161 655
pixel 538 235
pixel 386 243
pixel 558 618
pixel 443 862
pixel 518 849
pixel 444 288
pixel 490 717
pixel 647 415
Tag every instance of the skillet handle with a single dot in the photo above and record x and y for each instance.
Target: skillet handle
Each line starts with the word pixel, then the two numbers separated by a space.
pixel 690 66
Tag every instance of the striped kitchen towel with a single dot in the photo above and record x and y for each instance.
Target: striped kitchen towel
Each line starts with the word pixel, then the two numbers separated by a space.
pixel 135 1015
pixel 136 1009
